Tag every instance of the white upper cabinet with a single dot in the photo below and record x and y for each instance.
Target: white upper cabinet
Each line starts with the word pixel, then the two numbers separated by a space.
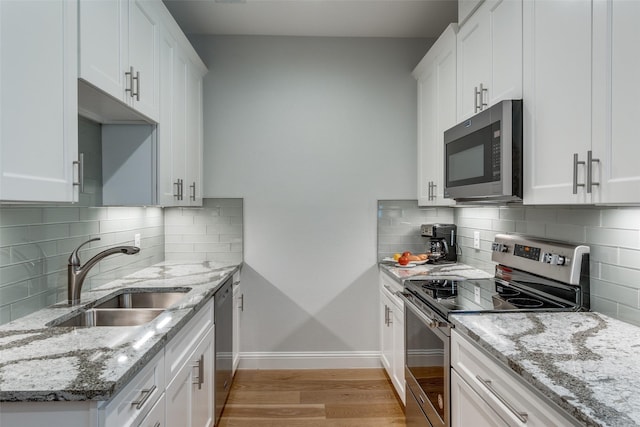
pixel 557 101
pixel 38 107
pixel 615 102
pixel 436 75
pixel 180 131
pixel 119 52
pixel 489 55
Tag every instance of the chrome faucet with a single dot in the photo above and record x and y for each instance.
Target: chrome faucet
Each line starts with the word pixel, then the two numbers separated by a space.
pixel 76 273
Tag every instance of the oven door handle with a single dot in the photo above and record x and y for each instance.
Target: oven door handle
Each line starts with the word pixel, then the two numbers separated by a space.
pixel 432 323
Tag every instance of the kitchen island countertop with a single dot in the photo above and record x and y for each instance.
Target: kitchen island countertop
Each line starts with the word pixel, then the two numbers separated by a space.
pixel 585 362
pixel 43 363
pixel 426 271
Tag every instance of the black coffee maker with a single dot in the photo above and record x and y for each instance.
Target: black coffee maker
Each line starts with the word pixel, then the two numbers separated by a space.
pixel 442 242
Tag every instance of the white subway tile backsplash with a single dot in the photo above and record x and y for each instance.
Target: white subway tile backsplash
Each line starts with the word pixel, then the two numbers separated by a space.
pixel 213 232
pixel 33 258
pixel 613 235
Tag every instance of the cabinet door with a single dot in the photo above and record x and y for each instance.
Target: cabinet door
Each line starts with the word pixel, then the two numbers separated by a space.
pixel 427 133
pixel 436 113
pixel 103 44
pixel 397 319
pixel 556 99
pixel 468 409
pixel 166 187
pixel 179 129
pixel 143 57
pixel 616 107
pixel 179 397
pixel 203 386
pixel 194 138
pixel 474 61
pixel 386 335
pixel 38 107
pixel 238 308
pixel 506 50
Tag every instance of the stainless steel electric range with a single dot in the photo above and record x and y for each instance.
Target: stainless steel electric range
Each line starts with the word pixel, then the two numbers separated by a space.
pixel 531 275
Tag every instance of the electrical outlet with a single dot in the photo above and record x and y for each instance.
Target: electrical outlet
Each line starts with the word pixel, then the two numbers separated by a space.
pixel 476 294
pixel 136 240
pixel 476 240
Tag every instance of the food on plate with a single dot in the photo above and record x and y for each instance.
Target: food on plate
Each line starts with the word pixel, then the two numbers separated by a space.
pixel 403 260
pixel 396 257
pixel 423 256
pixel 407 253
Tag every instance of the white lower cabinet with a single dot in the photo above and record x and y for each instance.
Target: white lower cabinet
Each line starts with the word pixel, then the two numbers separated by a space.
pixel 392 333
pixel 238 309
pixel 484 393
pixel 189 396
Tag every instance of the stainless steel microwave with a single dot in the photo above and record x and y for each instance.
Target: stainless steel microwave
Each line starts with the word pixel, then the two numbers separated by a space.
pixel 483 156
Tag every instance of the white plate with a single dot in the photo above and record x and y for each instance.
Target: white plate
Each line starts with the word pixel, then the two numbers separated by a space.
pixel 410 265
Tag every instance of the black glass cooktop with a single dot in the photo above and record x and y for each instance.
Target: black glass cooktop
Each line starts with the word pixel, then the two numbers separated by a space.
pixel 451 296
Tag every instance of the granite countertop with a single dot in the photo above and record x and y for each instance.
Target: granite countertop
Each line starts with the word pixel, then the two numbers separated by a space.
pixel 585 362
pixel 457 270
pixel 42 363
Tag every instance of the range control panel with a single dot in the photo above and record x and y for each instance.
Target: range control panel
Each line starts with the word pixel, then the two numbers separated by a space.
pixel 556 260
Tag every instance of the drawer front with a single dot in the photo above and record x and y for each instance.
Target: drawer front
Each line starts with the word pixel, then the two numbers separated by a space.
pixel 155 417
pixel 181 346
pixel 138 397
pixel 389 287
pixel 512 399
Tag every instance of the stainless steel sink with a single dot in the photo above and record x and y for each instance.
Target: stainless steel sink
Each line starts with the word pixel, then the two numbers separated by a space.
pixel 112 317
pixel 142 299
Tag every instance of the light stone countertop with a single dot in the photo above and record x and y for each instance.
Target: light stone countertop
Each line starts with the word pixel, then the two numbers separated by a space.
pixel 586 362
pixel 448 271
pixel 42 363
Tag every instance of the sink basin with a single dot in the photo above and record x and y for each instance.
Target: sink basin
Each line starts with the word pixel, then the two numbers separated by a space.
pixel 112 317
pixel 142 299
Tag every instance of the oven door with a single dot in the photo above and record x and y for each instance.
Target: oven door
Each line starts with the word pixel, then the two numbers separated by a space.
pixel 427 363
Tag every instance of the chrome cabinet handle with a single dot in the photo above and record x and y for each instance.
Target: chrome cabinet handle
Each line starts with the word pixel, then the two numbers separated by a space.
pixel 432 190
pixel 522 416
pixel 157 424
pixel 576 162
pixel 386 315
pixel 199 380
pixel 144 396
pixel 476 107
pixel 179 194
pixel 482 91
pixel 192 187
pixel 129 74
pixel 590 162
pixel 241 302
pixel 80 182
pixel 389 317
pixel 137 79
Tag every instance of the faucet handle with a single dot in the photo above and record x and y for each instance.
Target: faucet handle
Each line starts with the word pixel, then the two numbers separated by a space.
pixel 74 259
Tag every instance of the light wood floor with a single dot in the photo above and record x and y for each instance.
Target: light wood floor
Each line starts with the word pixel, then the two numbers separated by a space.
pixel 312 398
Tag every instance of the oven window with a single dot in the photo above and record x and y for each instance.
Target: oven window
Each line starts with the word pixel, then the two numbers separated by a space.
pixel 469 159
pixel 426 360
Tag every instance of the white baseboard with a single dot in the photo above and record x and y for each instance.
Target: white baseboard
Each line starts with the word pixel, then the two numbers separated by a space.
pixel 310 360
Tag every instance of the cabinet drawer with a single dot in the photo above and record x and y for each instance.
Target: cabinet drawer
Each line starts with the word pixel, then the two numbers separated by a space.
pixel 155 417
pixel 507 395
pixel 181 346
pixel 138 397
pixel 389 286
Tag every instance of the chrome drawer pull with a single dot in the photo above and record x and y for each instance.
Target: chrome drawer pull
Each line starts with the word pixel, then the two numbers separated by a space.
pixel 576 162
pixel 144 396
pixel 522 416
pixel 590 162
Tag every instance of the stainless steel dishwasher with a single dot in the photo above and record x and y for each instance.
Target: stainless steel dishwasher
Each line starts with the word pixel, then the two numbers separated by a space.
pixel 223 320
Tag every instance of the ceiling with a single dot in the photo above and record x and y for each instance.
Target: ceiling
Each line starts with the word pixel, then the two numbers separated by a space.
pixel 323 18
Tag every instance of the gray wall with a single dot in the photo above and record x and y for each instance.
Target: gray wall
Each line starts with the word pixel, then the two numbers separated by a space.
pixel 310 132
